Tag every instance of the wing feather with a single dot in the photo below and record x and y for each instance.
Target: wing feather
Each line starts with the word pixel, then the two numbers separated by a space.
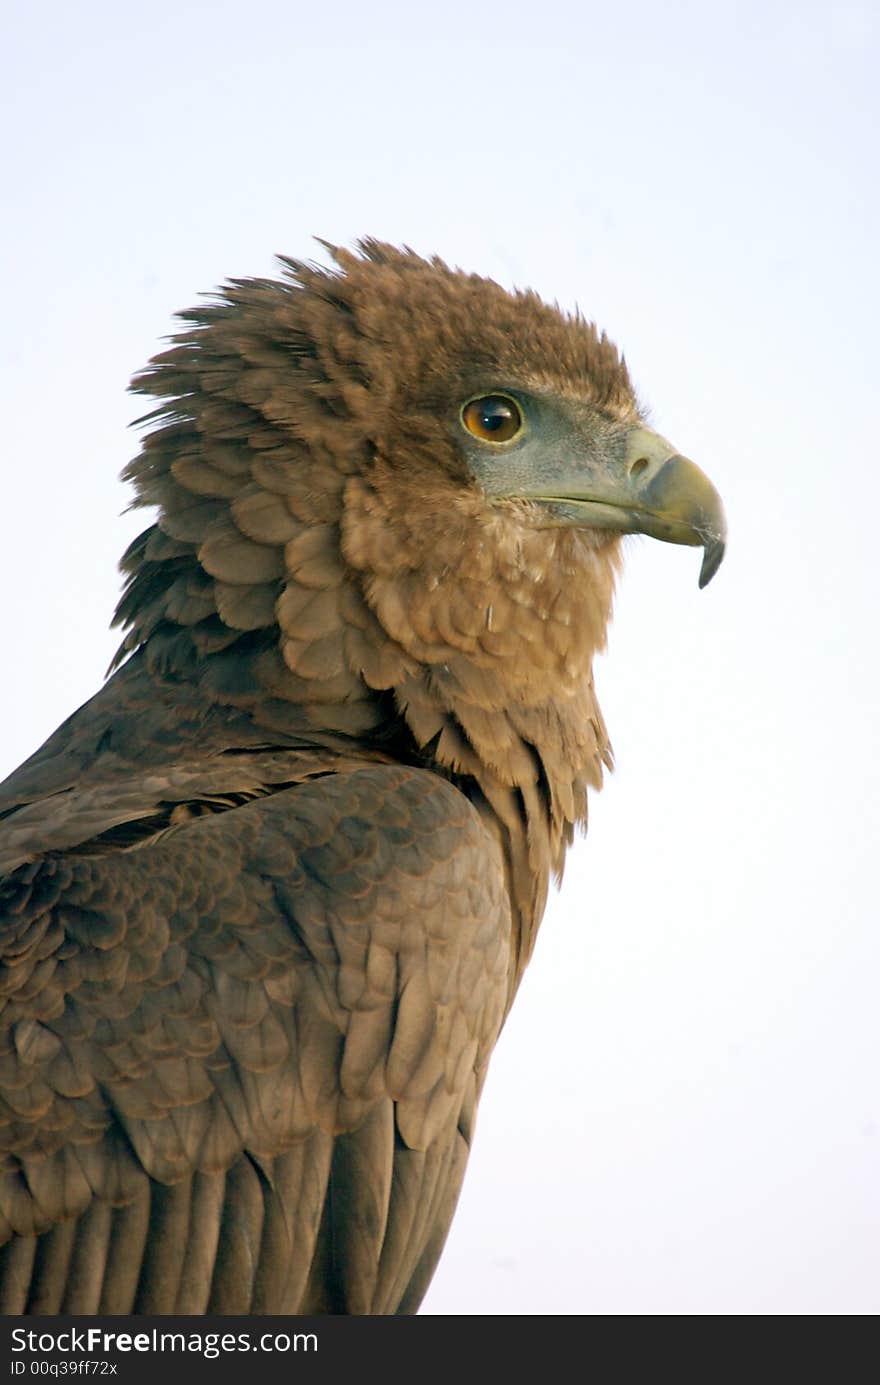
pixel 165 1248
pixel 360 1193
pixel 208 1193
pixel 128 1235
pixel 238 1247
pixel 238 1053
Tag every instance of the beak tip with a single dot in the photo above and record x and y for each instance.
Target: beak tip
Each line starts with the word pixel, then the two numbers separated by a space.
pixel 713 554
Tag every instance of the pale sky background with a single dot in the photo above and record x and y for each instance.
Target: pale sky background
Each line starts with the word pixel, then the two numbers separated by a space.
pixel 682 1114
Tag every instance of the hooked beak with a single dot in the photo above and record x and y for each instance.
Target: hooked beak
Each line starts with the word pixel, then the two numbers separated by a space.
pixel 656 492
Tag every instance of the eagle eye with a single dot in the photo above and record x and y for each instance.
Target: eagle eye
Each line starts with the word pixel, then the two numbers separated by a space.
pixel 492 418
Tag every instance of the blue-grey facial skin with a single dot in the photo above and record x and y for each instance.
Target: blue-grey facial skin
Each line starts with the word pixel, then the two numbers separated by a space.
pixel 554 433
pixel 589 470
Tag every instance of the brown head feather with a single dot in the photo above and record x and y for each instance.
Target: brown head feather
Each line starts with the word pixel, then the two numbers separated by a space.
pixel 319 528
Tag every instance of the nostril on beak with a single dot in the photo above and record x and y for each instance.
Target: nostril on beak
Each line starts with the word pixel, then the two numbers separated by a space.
pixel 639 465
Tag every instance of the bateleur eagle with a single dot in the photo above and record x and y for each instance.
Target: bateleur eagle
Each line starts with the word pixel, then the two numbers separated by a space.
pixel 267 897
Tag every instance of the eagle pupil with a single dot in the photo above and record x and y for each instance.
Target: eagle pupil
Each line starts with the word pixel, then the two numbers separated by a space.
pixel 495 416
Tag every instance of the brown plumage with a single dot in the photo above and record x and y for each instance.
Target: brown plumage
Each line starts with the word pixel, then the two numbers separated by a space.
pixel 267 897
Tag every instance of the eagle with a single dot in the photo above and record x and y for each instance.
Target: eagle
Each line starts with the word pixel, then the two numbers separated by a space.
pixel 266 898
